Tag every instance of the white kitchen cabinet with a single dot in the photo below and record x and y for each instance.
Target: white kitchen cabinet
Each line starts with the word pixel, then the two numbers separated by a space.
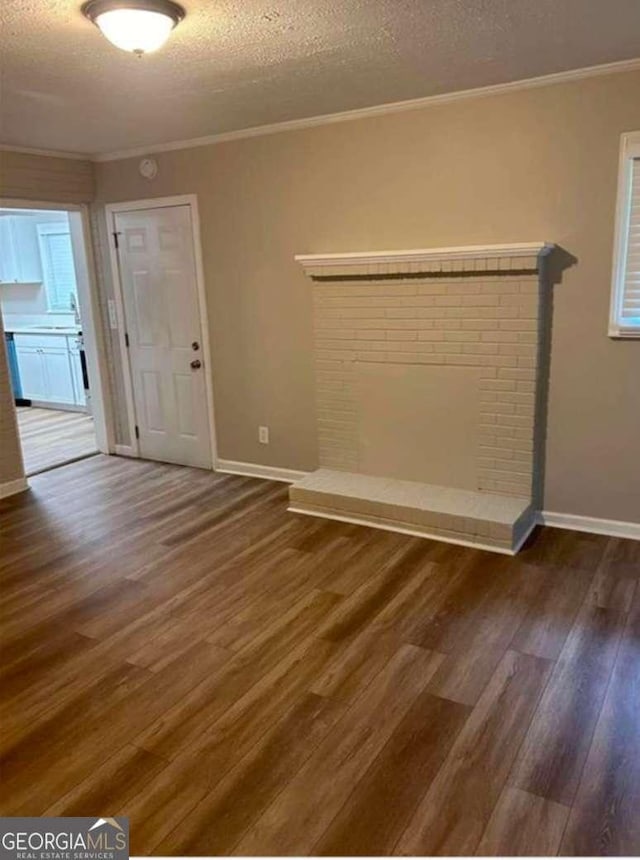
pixel 8 262
pixel 59 379
pixel 46 369
pixel 19 252
pixel 31 369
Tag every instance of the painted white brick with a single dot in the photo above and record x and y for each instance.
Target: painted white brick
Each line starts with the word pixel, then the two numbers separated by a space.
pixel 518 324
pixel 465 288
pixel 461 335
pixel 448 301
pixel 494 336
pixel 478 325
pixel 500 287
pixel 484 300
pixel 497 385
pixel 432 289
pixel 448 347
pixel 402 335
pixel 459 359
pixel 489 324
pixel 481 348
pixel 519 373
pixel 371 334
pixel 371 356
pixel 525 349
pixel 413 313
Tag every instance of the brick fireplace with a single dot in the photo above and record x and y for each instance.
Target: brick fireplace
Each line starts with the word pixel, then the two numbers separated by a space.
pixel 429 378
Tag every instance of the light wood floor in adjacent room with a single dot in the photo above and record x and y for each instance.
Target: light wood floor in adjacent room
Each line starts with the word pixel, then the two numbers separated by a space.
pixel 51 436
pixel 177 648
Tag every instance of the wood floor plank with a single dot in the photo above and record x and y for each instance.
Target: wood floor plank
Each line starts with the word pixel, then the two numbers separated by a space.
pixel 362 606
pixel 523 825
pixel 27 791
pixel 179 726
pixel 459 803
pixel 616 579
pixel 74 738
pixel 548 621
pixel 361 655
pixel 554 750
pixel 220 819
pixel 303 810
pixel 563 549
pixel 475 625
pixel 376 813
pixel 110 785
pixel 605 819
pixel 198 770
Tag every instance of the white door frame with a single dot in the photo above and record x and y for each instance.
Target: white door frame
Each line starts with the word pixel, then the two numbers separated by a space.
pixel 112 209
pixel 89 301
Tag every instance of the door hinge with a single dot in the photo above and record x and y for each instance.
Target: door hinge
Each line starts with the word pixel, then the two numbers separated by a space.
pixel 116 233
pixel 126 339
pixel 137 432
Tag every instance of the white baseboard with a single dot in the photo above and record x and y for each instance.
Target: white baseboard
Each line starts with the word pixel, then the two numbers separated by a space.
pixel 13 487
pixel 612 528
pixel 124 450
pixel 255 470
pixel 574 522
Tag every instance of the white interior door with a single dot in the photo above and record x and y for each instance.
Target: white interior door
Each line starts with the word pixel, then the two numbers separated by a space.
pixel 160 297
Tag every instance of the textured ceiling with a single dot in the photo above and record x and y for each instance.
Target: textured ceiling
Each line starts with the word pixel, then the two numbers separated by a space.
pixel 234 64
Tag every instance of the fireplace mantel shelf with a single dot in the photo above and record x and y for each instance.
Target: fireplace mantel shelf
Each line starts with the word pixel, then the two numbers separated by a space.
pixel 520 255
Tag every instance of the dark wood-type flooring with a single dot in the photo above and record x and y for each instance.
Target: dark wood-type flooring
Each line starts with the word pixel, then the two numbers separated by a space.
pixel 177 648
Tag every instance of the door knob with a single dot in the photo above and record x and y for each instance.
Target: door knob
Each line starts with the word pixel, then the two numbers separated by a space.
pixel 196 364
pixel 195 346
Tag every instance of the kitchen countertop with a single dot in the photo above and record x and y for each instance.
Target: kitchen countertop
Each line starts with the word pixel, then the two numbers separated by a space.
pixel 66 330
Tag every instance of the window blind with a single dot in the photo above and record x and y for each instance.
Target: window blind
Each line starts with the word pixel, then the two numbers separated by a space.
pixel 630 298
pixel 58 267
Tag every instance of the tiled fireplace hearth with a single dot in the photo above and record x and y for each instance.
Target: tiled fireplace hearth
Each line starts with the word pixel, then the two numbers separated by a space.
pixel 429 377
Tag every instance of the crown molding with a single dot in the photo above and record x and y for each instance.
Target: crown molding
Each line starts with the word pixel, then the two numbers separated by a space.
pixel 344 116
pixel 49 153
pixel 464 258
pixel 376 110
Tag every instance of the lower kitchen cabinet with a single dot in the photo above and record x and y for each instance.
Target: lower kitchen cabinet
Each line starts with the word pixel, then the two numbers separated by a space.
pixel 32 375
pixel 49 368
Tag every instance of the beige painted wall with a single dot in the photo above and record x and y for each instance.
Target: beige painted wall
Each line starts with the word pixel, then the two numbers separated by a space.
pixel 36 177
pixel 528 165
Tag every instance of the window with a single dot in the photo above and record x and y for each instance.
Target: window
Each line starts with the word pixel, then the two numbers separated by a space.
pixel 58 269
pixel 625 294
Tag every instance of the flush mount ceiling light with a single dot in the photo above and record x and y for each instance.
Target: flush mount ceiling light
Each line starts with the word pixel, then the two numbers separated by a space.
pixel 140 26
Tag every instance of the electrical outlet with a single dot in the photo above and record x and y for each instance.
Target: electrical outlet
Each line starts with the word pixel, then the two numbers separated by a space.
pixel 263 435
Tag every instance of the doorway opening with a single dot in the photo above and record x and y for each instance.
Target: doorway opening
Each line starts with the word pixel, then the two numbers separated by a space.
pixel 50 335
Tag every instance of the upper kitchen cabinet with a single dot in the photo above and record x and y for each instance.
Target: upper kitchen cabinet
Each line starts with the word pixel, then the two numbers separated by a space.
pixel 19 251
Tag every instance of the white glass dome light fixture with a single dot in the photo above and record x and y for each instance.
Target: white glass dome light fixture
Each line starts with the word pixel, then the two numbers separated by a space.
pixel 139 26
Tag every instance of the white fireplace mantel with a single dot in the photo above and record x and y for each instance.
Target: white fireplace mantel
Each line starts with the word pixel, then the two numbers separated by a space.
pixel 465 258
